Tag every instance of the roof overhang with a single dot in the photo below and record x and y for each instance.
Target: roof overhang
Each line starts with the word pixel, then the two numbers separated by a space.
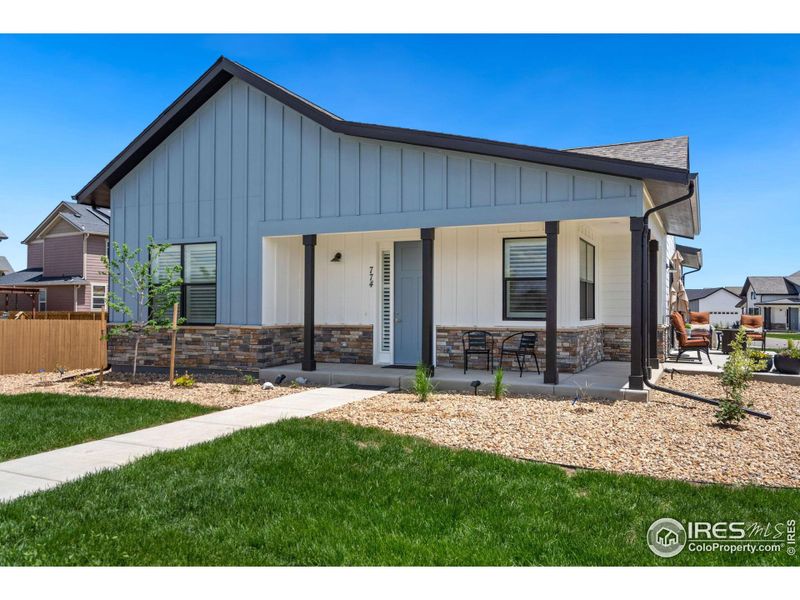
pixel 682 219
pixel 98 190
pixel 692 257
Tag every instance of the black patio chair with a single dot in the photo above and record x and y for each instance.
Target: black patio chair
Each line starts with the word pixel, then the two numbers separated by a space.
pixel 520 348
pixel 478 342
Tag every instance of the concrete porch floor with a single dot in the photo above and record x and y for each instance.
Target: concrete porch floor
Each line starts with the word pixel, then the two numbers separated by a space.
pixel 689 364
pixel 604 380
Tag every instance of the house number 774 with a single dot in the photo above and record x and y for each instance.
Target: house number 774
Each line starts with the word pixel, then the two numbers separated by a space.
pixel 371 276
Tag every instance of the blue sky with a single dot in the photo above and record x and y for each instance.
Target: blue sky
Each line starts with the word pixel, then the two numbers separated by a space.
pixel 68 104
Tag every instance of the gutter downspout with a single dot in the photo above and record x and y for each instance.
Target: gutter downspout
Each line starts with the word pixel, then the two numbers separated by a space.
pixel 644 316
pixel 685 273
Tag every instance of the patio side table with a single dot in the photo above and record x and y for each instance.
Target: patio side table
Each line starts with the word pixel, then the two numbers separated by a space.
pixel 728 335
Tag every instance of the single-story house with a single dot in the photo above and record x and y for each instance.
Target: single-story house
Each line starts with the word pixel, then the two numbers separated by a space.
pixel 306 237
pixel 721 302
pixel 64 263
pixel 776 297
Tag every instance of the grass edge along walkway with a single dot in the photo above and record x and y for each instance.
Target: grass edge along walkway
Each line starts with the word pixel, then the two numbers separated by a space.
pixel 37 422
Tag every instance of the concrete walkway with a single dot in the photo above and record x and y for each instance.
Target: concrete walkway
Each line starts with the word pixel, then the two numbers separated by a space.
pixel 46 470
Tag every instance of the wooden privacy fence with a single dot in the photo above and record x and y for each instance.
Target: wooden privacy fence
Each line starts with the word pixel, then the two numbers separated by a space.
pixel 57 315
pixel 28 346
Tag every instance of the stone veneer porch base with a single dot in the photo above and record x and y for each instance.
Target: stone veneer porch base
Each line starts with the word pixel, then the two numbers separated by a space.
pixel 229 347
pixel 578 348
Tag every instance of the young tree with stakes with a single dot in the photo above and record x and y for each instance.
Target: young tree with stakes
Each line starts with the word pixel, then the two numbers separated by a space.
pixel 154 288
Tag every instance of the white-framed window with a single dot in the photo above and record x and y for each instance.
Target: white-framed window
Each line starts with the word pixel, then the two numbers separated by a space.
pixel 524 279
pixel 99 294
pixel 42 300
pixel 586 280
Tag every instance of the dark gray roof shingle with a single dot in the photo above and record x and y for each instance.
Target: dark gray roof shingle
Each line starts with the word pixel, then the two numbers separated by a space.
pixel 700 293
pixel 771 285
pixel 34 278
pixel 785 300
pixel 88 219
pixel 666 152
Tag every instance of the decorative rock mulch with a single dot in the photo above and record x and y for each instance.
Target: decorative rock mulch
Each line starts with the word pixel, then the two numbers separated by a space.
pixel 667 437
pixel 218 391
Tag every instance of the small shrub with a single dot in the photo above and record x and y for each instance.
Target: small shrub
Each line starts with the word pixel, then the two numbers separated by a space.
pixel 760 360
pixel 792 350
pixel 423 386
pixel 186 380
pixel 499 389
pixel 88 380
pixel 736 376
pixel 235 389
pixel 250 380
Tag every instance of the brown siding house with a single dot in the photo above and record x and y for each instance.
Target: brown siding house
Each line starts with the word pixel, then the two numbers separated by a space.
pixel 64 261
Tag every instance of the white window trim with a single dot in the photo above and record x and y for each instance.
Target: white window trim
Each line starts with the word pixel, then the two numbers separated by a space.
pixel 39 303
pixel 105 297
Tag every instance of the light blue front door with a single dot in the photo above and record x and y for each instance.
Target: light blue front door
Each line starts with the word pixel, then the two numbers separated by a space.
pixel 407 302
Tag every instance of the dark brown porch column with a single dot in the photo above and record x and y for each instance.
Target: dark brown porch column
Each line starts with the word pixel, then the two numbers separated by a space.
pixel 427 235
pixel 309 245
pixel 551 327
pixel 636 380
pixel 652 322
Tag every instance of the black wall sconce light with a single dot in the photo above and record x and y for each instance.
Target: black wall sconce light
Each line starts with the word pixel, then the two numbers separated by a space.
pixel 337 257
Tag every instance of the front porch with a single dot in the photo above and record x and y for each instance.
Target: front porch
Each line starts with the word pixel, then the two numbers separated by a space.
pixel 607 379
pixel 408 296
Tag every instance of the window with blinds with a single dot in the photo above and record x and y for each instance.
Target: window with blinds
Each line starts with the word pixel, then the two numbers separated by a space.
pixel 524 279
pixel 198 262
pixel 587 280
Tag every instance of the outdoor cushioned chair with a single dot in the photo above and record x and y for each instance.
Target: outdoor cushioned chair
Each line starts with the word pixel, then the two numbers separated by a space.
pixel 687 343
pixel 701 324
pixel 754 326
pixel 478 342
pixel 524 345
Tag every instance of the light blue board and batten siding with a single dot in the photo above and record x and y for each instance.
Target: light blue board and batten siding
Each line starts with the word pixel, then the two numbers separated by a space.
pixel 245 166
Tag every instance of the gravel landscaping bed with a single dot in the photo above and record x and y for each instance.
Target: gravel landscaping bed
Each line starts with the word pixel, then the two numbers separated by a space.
pixel 219 391
pixel 667 437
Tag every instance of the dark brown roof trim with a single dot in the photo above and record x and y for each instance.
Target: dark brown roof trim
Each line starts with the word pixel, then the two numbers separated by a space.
pixel 97 191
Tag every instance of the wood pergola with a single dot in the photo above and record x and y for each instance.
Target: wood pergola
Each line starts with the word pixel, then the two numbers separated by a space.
pixel 8 291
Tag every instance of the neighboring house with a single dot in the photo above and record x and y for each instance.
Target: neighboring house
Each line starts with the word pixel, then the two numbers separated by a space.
pixel 64 261
pixel 721 302
pixel 776 297
pixel 5 266
pixel 307 237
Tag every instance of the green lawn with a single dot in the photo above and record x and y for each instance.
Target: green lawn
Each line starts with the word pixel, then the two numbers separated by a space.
pixel 309 492
pixel 31 423
pixel 784 336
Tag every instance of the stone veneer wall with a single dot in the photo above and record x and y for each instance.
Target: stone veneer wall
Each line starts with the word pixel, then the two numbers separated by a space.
pixel 245 348
pixel 577 348
pixel 250 348
pixel 343 344
pixel 662 342
pixel 617 342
